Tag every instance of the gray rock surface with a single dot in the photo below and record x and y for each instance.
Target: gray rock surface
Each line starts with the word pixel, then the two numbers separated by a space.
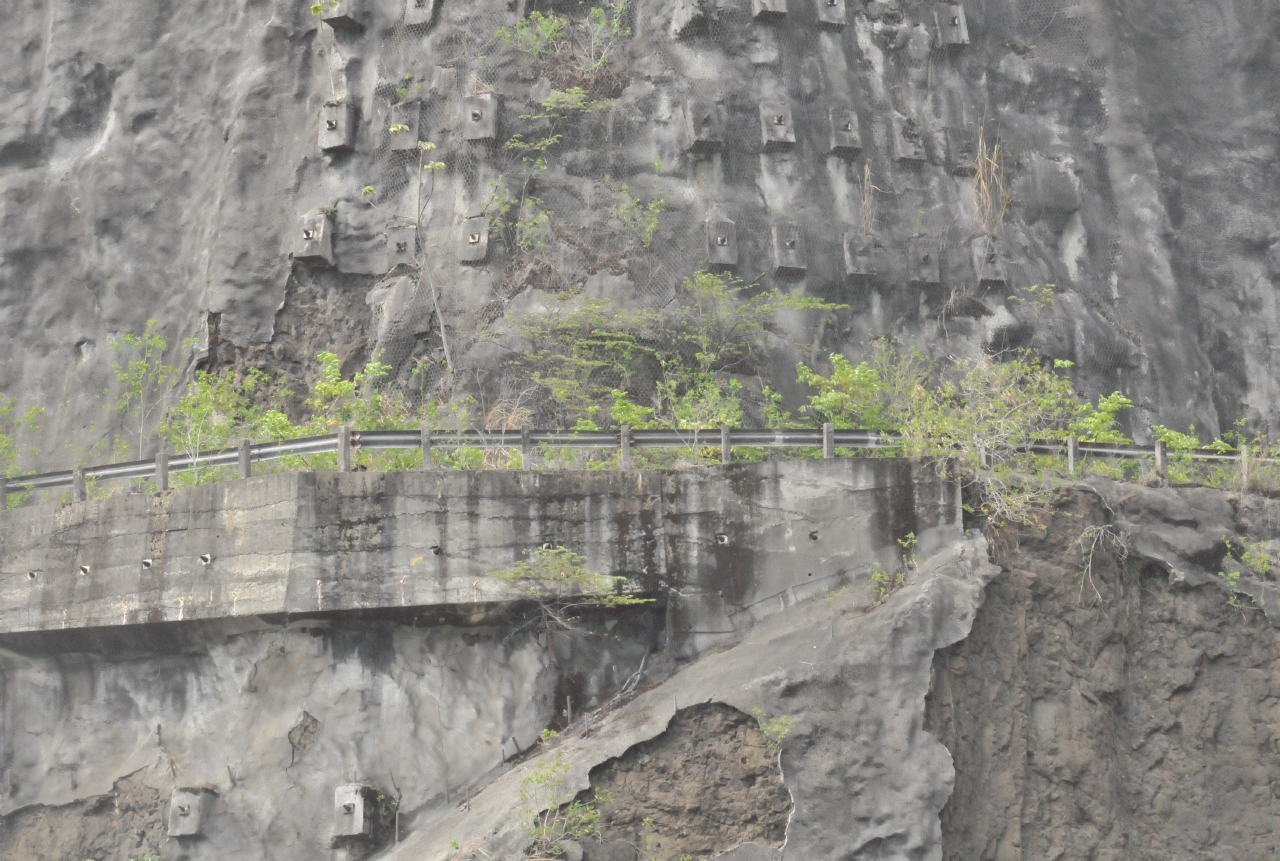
pixel 866 779
pixel 155 162
pixel 274 717
pixel 426 695
pixel 1114 704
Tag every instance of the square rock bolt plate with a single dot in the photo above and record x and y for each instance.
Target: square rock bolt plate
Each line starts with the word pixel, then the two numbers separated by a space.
pixel 419 13
pixel 480 117
pixel 353 811
pixel 924 259
pixel 790 256
pixel 861 253
pixel 704 126
pixel 315 239
pixel 188 809
pixel 988 262
pixel 908 140
pixel 953 30
pixel 831 14
pixel 341 14
pixel 402 245
pixel 404 120
pixel 846 137
pixel 473 240
pixel 962 151
pixel 777 128
pixel 722 242
pixel 337 127
pixel 764 10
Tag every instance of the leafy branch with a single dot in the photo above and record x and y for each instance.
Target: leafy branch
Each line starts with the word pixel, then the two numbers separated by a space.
pixel 562 585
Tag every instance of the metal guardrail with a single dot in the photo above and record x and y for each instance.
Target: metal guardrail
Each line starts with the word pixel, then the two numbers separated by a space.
pixel 346 441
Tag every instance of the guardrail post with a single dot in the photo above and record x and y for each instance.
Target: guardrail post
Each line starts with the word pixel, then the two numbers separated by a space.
pixel 624 440
pixel 726 450
pixel 162 467
pixel 79 490
pixel 4 492
pixel 246 462
pixel 427 461
pixel 1244 468
pixel 828 440
pixel 344 448
pixel 1162 463
pixel 526 449
pixel 1073 445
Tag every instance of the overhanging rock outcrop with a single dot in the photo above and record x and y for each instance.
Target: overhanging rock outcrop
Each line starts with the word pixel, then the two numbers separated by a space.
pixel 867 780
pixel 731 543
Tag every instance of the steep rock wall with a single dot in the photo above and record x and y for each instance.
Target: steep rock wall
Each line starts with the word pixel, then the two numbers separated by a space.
pixel 155 162
pixel 1104 707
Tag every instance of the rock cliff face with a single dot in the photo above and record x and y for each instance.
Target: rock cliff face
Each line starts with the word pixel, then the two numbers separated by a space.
pixel 1102 693
pixel 156 161
pixel 1096 711
pixel 231 171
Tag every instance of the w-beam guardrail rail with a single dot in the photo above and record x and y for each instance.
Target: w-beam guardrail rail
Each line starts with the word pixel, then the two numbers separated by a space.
pixel 346 440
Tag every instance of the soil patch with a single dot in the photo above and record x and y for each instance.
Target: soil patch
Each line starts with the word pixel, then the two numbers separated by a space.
pixel 707 784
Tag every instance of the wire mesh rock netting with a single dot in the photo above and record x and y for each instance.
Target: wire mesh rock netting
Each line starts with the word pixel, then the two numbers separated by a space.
pixel 591 150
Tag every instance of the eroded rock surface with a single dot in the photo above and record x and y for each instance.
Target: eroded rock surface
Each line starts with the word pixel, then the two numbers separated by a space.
pixel 706 785
pixel 1108 706
pixel 155 162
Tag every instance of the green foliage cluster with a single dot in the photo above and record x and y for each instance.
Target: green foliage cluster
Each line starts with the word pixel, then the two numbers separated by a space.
pixel 559 570
pixel 145 377
pixel 551 815
pixel 640 216
pixel 217 410
pixel 16 423
pixel 561 104
pixel 574 55
pixel 1176 441
pixel 589 45
pixel 540 34
pixel 980 412
pixel 387 808
pixel 1236 595
pixel 886 582
pixel 775 729
pixel 408 87
pixel 669 368
pixel 562 585
pixel 1253 555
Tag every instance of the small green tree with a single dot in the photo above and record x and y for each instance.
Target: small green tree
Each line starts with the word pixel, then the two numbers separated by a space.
pixel 363 402
pixel 1098 424
pixel 602 31
pixel 540 34
pixel 551 815
pixel 562 585
pixel 16 422
pixel 775 729
pixel 145 377
pixel 580 350
pixel 215 411
pixel 641 217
